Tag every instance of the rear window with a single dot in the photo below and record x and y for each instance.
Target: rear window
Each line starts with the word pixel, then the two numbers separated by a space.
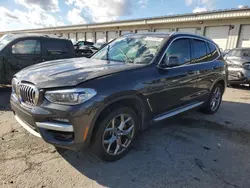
pixel 200 51
pixel 57 47
pixel 213 51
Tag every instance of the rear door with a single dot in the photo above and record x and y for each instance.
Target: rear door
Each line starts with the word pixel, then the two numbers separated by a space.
pixel 57 49
pixel 22 53
pixel 204 55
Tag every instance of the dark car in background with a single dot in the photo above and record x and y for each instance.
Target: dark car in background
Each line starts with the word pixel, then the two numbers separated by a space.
pixel 87 51
pixel 18 51
pixel 238 62
pixel 79 44
pixel 132 82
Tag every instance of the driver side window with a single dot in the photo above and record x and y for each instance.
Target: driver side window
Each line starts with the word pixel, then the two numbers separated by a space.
pixel 181 49
pixel 27 47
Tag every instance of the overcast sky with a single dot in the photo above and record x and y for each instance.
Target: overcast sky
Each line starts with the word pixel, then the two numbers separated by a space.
pixel 26 14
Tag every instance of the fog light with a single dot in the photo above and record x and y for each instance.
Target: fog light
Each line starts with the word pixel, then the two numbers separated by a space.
pixel 62 136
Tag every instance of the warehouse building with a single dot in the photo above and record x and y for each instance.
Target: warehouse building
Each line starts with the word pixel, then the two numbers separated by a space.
pixel 228 28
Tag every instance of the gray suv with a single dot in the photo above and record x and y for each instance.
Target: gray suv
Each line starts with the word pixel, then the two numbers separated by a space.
pixel 103 102
pixel 238 62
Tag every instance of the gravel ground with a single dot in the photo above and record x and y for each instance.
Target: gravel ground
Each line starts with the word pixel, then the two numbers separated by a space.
pixel 191 150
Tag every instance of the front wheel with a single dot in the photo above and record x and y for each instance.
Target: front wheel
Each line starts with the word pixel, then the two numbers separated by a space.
pixel 115 134
pixel 214 101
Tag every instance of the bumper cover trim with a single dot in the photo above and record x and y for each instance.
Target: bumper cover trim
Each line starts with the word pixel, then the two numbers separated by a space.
pixel 26 126
pixel 55 126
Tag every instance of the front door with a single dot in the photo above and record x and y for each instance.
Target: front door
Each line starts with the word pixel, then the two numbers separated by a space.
pixel 21 54
pixel 174 86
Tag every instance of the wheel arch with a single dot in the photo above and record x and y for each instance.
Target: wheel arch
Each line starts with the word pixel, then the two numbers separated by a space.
pixel 135 101
pixel 221 81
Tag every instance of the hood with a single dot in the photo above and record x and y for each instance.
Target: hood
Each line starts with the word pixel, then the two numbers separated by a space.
pixel 70 72
pixel 239 60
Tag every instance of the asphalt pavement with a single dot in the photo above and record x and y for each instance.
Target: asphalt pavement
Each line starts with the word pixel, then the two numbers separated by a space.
pixel 190 150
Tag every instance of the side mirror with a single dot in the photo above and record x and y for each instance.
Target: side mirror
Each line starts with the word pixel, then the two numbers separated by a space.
pixel 170 61
pixel 173 61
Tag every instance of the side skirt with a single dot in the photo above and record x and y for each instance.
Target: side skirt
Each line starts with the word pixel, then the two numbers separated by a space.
pixel 177 111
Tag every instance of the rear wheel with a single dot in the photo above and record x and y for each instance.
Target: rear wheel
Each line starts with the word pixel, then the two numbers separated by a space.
pixel 214 100
pixel 115 134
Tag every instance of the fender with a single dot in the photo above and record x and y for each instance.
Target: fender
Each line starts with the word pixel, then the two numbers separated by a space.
pixel 217 80
pixel 137 96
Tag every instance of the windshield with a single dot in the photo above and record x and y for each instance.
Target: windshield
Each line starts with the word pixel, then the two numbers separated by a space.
pixel 131 49
pixel 5 39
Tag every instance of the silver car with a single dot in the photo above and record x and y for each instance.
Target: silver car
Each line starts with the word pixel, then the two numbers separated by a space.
pixel 238 61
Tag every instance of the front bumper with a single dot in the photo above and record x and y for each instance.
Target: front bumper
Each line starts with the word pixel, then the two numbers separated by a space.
pixel 238 75
pixel 27 126
pixel 42 121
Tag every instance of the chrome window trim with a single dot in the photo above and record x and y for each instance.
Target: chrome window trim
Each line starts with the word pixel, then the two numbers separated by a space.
pixel 187 64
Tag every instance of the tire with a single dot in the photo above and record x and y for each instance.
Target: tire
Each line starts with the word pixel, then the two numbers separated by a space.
pixel 108 136
pixel 209 108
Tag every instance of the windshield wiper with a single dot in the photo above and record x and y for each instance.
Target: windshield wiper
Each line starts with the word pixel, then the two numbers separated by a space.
pixel 127 58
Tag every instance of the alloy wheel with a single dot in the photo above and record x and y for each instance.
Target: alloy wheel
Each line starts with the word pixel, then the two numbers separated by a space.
pixel 118 134
pixel 216 99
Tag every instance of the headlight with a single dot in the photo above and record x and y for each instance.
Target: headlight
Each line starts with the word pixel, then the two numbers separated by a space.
pixel 246 66
pixel 14 85
pixel 70 96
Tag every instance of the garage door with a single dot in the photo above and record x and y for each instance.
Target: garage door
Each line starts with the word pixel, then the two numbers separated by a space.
pixel 65 35
pixel 219 35
pixel 72 37
pixel 125 32
pixel 142 31
pixel 244 40
pixel 89 37
pixel 162 30
pixel 100 37
pixel 112 35
pixel 187 30
pixel 80 36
